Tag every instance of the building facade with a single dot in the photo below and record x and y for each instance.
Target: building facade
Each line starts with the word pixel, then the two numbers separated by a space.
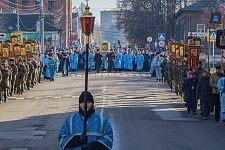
pixel 109 30
pixel 61 10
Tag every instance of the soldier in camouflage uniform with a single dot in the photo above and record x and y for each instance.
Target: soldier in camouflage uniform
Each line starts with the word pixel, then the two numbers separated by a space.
pixel 170 73
pixel 5 79
pixel 30 73
pixel 34 75
pixel 14 71
pixel 0 86
pixel 20 77
pixel 177 78
pixel 26 74
pixel 164 70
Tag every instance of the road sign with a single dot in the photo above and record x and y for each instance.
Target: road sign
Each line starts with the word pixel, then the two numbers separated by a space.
pixel 149 39
pixel 162 44
pixel 2 35
pixel 211 36
pixel 161 36
pixel 198 34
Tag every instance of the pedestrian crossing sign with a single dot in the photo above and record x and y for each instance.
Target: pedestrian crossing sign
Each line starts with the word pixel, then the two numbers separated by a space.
pixel 211 36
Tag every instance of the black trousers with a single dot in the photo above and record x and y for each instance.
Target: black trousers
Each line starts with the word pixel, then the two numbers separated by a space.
pixel 216 102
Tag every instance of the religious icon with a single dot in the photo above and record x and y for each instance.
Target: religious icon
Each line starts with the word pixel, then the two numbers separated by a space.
pixel 194 52
pixel 17 50
pixel 23 51
pixel 5 52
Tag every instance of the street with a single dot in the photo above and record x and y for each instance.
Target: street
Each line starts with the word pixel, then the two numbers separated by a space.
pixel 144 113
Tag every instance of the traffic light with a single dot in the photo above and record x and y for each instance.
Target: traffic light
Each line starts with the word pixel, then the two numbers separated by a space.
pixel 220 39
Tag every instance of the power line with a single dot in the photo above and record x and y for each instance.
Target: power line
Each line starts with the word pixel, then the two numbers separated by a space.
pixel 16 4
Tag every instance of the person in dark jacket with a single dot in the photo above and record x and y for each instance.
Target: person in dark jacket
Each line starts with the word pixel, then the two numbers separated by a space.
pixel 204 92
pixel 189 90
pixel 98 61
pixel 65 64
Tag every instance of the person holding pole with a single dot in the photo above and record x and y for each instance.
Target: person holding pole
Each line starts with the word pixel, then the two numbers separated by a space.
pixel 99 133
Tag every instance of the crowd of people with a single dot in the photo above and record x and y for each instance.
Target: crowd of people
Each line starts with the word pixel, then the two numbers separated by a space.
pixel 196 86
pixel 19 75
pixel 191 83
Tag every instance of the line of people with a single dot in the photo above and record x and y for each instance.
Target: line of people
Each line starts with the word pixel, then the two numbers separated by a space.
pixel 197 86
pixel 16 76
pixel 117 60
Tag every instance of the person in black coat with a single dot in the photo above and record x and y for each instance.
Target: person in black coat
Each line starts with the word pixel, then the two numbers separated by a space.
pixel 98 61
pixel 65 64
pixel 189 90
pixel 146 61
pixel 111 58
pixel 204 92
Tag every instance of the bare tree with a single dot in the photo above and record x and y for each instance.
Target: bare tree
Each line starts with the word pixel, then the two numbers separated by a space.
pixel 2 23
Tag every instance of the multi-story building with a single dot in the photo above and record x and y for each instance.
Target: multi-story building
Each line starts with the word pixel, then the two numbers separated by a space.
pixel 61 11
pixel 109 30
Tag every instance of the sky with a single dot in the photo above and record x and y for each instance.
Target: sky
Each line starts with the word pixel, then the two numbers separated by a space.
pixel 97 6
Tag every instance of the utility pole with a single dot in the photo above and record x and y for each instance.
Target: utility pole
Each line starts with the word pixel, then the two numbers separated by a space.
pixel 42 28
pixel 18 20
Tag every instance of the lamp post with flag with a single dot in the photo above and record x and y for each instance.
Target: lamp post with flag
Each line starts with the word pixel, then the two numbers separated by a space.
pixel 87 25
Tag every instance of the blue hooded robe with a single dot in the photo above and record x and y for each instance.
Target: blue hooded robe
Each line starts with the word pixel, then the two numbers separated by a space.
pixel 98 129
pixel 139 61
pixel 118 61
pixel 221 88
pixel 73 62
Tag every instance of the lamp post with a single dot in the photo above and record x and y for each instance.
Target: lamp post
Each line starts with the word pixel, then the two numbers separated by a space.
pixel 87 25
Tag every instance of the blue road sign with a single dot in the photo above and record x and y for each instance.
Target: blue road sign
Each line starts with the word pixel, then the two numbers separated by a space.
pixel 161 36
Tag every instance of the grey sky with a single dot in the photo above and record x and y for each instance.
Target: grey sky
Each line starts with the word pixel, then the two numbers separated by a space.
pixel 97 6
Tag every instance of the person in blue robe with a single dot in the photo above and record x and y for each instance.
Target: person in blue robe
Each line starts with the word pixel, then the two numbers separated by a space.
pixel 152 69
pixel 74 61
pixel 99 134
pixel 221 88
pixel 123 60
pixel 158 67
pixel 128 61
pixel 139 61
pixel 52 67
pixel 118 61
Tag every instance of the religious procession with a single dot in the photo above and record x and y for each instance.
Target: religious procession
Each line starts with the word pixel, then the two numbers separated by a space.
pixel 22 67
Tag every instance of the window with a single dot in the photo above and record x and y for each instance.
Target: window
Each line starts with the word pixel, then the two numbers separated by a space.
pixel 201 28
pixel 37 4
pixel 25 3
pixel 12 4
pixel 51 5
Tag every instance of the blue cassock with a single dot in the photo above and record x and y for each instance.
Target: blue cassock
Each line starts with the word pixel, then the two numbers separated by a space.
pixel 123 60
pixel 73 61
pixel 52 66
pixel 221 88
pixel 139 61
pixel 128 61
pixel 118 61
pixel 45 60
pixel 158 68
pixel 98 129
pixel 90 61
pixel 152 65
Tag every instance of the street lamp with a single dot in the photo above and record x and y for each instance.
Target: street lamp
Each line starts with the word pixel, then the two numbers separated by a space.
pixel 87 25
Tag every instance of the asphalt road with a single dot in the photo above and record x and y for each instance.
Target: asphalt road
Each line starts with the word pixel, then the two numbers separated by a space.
pixel 145 115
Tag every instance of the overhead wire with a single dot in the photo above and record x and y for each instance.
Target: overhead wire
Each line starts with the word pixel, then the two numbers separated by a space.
pixel 29 29
pixel 21 5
